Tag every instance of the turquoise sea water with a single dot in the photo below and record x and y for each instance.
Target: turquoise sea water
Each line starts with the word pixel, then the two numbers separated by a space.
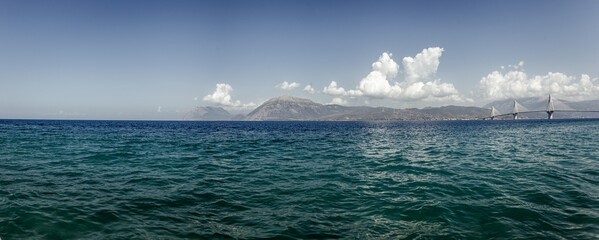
pixel 530 179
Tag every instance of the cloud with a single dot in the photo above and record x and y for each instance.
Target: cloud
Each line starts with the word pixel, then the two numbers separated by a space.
pixel 516 84
pixel 417 85
pixel 386 66
pixel 376 83
pixel 287 86
pixel 195 98
pixel 332 89
pixel 515 66
pixel 433 91
pixel 423 66
pixel 338 101
pixel 222 97
pixel 309 89
pixel 159 109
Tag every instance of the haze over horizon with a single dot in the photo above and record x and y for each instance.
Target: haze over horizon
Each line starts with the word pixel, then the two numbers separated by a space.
pixel 158 59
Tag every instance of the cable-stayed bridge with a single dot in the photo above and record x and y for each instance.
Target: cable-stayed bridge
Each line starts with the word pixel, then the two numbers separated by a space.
pixel 519 109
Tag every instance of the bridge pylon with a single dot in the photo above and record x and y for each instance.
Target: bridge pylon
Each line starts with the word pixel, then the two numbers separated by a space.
pixel 550 108
pixel 515 111
pixel 493 113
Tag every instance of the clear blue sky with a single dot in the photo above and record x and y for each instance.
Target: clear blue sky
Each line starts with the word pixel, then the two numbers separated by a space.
pixel 126 59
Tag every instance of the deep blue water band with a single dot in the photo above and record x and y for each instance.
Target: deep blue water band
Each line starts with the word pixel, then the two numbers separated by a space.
pixel 533 179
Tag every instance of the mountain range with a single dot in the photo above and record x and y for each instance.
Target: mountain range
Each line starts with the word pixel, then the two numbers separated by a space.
pixel 289 108
pixel 210 114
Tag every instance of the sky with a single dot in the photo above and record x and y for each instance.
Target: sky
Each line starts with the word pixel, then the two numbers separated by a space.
pixel 158 59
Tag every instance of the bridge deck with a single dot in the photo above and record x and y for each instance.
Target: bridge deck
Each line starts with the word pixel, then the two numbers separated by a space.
pixel 544 111
pixel 550 110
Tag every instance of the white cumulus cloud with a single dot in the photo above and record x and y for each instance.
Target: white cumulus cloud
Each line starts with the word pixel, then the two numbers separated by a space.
pixel 287 86
pixel 419 82
pixel 423 66
pixel 517 84
pixel 332 89
pixel 433 91
pixel 376 84
pixel 386 66
pixel 338 101
pixel 222 96
pixel 309 89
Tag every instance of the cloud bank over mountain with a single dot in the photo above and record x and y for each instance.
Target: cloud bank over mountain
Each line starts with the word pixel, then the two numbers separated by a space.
pixel 222 96
pixel 309 89
pixel 419 81
pixel 338 101
pixel 515 83
pixel 287 86
pixel 415 79
pixel 334 90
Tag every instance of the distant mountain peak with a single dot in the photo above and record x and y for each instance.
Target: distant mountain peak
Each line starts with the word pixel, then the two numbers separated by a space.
pixel 286 107
pixel 289 98
pixel 208 113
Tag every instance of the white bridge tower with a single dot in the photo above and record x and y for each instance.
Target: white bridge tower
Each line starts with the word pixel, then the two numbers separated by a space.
pixel 493 113
pixel 515 111
pixel 550 108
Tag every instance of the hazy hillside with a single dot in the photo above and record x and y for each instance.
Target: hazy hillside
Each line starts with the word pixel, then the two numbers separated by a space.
pixel 208 114
pixel 289 108
pixel 285 108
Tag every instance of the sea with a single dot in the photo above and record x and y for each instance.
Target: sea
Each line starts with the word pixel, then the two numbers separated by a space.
pixel 503 179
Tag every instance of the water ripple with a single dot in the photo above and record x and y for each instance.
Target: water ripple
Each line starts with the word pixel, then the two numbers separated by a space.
pixel 297 180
